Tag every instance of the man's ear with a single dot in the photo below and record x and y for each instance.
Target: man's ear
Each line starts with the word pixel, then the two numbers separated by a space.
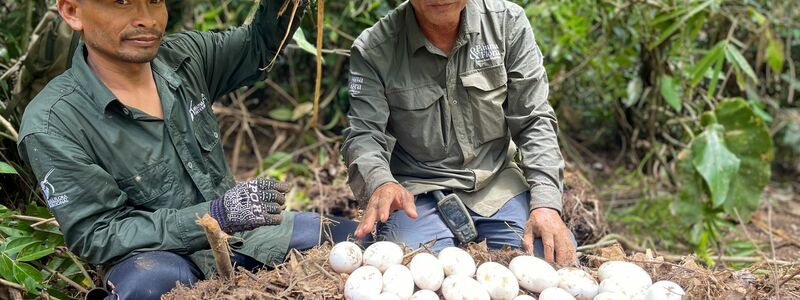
pixel 68 9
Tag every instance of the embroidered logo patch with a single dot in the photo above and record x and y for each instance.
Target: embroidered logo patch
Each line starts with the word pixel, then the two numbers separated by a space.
pixel 198 108
pixel 50 192
pixel 483 53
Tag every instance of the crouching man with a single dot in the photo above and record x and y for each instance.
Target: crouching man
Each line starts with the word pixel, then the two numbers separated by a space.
pixel 128 153
pixel 444 95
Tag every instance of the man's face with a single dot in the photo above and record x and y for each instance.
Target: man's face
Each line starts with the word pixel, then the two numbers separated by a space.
pixel 128 31
pixel 439 12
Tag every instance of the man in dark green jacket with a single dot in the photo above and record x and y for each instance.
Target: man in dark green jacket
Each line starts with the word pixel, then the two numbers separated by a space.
pixel 127 149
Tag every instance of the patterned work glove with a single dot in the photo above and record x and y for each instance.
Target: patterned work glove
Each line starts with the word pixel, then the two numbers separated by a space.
pixel 250 205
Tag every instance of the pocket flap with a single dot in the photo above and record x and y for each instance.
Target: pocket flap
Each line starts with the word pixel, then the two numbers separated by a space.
pixel 150 182
pixel 486 79
pixel 415 98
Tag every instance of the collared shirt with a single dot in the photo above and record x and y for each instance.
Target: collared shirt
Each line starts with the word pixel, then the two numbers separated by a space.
pixel 120 181
pixel 430 120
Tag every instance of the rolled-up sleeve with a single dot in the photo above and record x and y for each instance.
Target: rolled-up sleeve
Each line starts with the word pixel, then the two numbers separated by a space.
pixel 531 119
pixel 367 146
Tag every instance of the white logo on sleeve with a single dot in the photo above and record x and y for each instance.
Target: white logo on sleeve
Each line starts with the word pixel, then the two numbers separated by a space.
pixel 356 83
pixel 50 192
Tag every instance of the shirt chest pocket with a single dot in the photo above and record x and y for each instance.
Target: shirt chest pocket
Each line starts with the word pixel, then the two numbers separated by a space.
pixel 417 122
pixel 206 130
pixel 487 90
pixel 150 187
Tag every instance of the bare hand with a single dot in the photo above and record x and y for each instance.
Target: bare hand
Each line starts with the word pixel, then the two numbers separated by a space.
pixel 546 223
pixel 388 198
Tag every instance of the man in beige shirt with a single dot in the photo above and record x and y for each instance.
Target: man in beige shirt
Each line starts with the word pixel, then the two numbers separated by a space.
pixel 444 94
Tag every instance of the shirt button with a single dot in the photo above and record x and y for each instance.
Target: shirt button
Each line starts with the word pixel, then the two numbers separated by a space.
pixel 455 102
pixel 216 135
pixel 126 111
pixel 189 165
pixel 138 178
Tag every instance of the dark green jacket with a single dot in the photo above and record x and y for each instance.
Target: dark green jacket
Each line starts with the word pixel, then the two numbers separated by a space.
pixel 121 182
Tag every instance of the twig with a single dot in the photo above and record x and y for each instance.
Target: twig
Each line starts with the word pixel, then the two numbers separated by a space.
pixel 285 37
pixel 11 284
pixel 281 92
pixel 248 273
pixel 258 120
pixel 35 219
pixel 13 132
pixel 219 245
pixel 790 277
pixel 318 83
pixel 326 273
pixel 772 248
pixel 70 282
pixel 342 52
pixel 80 266
pixel 48 221
pixel 597 245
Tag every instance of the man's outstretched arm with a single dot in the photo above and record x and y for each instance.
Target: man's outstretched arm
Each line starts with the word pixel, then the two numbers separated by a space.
pixel 235 57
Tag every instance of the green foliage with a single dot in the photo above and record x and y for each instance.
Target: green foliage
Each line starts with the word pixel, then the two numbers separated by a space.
pixel 31 255
pixel 7 169
pixel 723 172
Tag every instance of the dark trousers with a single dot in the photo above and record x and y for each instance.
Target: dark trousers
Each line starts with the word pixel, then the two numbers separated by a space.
pixel 151 274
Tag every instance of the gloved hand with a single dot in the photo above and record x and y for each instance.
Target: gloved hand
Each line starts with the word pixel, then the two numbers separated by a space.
pixel 250 205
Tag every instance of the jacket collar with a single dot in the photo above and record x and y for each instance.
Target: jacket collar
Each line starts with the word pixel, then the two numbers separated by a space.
pixel 166 63
pixel 471 23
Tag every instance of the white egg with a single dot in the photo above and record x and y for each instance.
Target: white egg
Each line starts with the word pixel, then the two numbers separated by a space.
pixel 387 296
pixel 578 283
pixel 456 261
pixel 524 297
pixel 611 296
pixel 633 289
pixel 424 295
pixel 460 287
pixel 498 281
pixel 364 283
pixel 398 280
pixel 534 274
pixel 554 293
pixel 427 271
pixel 632 272
pixel 345 257
pixel 382 255
pixel 665 290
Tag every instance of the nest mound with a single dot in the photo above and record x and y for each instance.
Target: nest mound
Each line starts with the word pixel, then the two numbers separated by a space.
pixel 309 276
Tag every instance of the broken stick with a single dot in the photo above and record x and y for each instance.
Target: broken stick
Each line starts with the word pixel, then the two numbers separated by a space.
pixel 218 240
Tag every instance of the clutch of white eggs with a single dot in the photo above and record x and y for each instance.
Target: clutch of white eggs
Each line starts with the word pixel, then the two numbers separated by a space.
pixel 378 273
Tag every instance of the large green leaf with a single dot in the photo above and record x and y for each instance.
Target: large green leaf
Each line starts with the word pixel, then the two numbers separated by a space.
pixel 7 169
pixel 744 135
pixel 715 162
pixel 748 137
